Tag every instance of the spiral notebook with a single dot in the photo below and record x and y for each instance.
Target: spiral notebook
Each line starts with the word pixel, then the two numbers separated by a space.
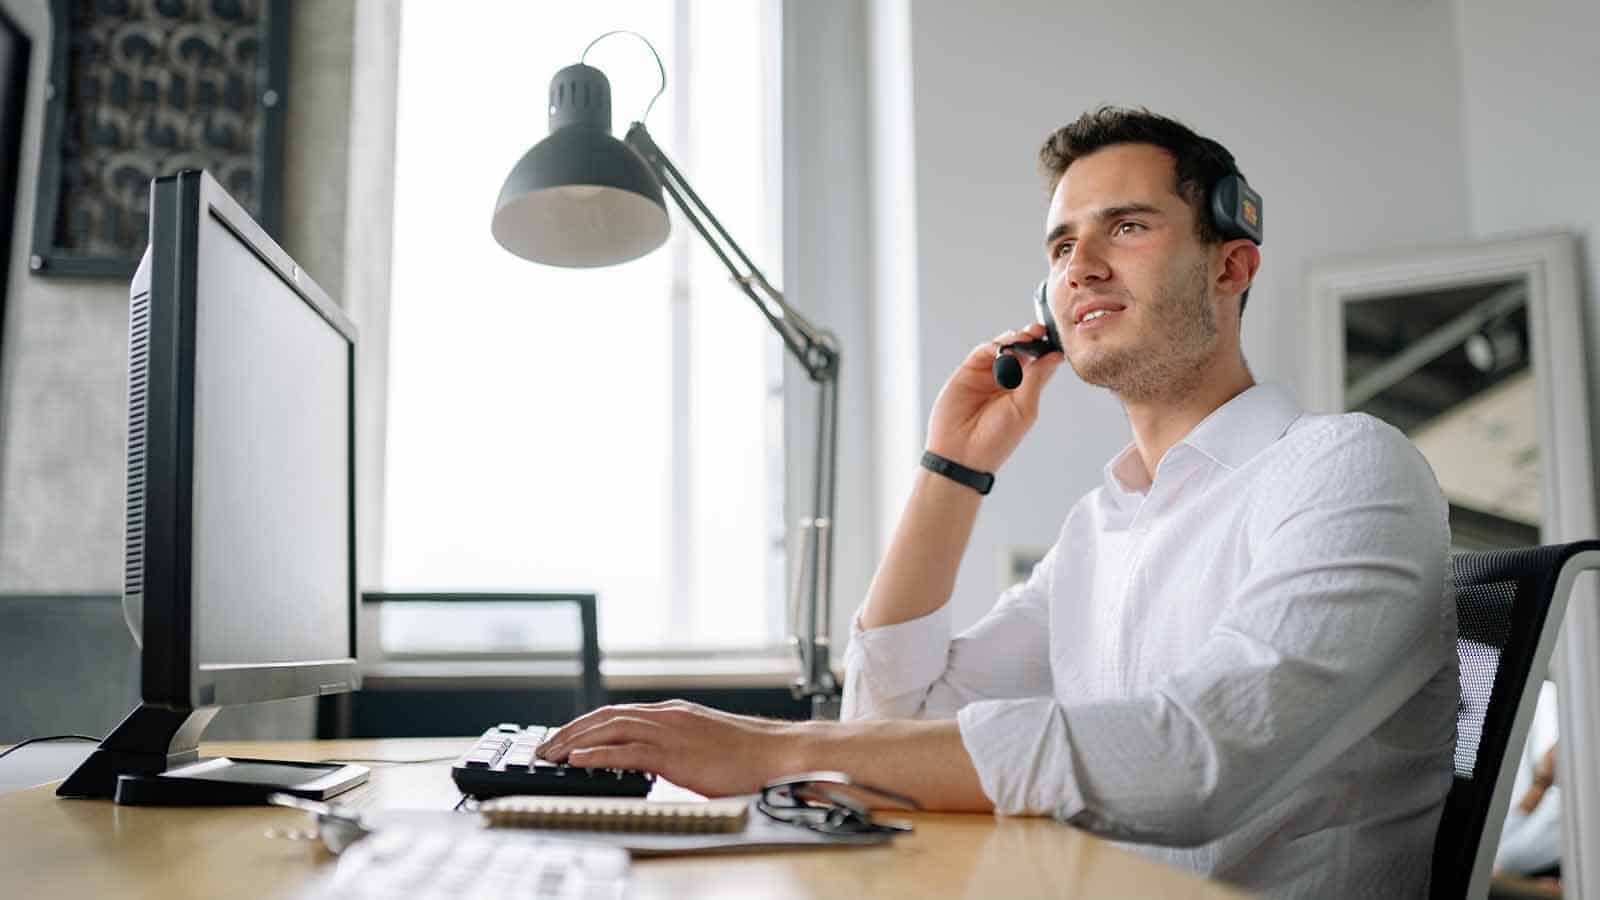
pixel 642 827
pixel 617 814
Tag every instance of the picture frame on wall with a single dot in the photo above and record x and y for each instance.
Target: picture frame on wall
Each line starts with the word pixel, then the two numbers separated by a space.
pixel 137 90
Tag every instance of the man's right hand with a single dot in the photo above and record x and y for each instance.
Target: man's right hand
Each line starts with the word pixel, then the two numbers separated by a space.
pixel 978 423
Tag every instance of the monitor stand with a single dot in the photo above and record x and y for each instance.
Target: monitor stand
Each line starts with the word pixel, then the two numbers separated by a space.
pixel 153 759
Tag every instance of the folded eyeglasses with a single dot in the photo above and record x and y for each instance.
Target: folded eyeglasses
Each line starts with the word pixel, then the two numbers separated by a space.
pixel 830 802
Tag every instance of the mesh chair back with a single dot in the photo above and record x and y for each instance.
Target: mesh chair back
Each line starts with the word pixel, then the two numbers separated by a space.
pixel 1504 600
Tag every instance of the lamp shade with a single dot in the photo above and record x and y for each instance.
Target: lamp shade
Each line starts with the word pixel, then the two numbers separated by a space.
pixel 580 197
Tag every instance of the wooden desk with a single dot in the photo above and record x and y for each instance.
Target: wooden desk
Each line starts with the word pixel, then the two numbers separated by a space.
pixel 84 848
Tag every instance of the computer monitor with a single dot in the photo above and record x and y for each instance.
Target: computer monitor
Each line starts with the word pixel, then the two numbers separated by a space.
pixel 240 551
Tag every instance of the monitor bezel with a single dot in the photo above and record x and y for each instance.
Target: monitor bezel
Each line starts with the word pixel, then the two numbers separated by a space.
pixel 170 673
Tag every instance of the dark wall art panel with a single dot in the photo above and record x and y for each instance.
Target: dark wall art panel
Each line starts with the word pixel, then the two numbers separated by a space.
pixel 143 88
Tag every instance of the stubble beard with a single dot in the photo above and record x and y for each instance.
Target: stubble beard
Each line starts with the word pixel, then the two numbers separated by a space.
pixel 1170 361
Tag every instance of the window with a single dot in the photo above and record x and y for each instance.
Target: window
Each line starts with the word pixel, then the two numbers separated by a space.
pixel 616 430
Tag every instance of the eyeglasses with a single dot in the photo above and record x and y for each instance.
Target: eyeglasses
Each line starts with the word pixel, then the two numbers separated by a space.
pixel 831 803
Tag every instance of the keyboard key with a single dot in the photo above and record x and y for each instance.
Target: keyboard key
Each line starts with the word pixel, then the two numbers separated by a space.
pixel 480 759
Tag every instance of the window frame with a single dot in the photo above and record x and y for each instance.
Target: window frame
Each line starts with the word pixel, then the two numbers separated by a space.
pixel 767 663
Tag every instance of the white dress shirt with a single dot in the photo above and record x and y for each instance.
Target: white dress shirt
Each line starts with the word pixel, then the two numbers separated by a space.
pixel 1245 666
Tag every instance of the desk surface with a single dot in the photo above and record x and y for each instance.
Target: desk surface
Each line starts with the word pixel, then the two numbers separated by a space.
pixel 54 847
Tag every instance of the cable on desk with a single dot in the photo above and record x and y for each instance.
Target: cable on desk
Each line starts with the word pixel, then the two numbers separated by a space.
pixel 395 762
pixel 54 737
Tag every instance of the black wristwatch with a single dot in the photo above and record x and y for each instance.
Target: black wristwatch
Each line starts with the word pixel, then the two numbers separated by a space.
pixel 949 468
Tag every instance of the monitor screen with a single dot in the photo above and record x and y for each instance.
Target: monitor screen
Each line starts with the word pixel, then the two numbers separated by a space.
pixel 241 462
pixel 271 492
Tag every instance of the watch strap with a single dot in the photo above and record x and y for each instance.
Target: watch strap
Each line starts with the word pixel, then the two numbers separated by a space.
pixel 981 482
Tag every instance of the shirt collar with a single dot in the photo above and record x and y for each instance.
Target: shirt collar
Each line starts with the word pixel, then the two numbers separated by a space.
pixel 1231 435
pixel 1244 426
pixel 1125 476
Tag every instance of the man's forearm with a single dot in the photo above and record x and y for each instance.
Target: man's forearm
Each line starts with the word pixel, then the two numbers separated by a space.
pixel 919 571
pixel 923 760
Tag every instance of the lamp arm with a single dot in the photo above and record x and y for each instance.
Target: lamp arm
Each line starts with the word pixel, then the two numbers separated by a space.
pixel 817 351
pixel 817 682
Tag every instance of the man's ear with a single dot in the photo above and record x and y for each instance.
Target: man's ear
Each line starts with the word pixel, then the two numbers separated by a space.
pixel 1240 260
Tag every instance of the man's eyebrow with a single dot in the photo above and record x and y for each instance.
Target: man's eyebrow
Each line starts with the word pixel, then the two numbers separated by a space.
pixel 1101 215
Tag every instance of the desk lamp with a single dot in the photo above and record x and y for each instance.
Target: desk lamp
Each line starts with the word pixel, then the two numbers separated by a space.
pixel 582 198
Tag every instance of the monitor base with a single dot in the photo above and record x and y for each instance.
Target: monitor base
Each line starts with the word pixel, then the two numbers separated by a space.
pixel 153 759
pixel 151 739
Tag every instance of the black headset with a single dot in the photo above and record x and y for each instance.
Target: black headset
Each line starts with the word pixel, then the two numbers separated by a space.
pixel 1236 208
pixel 1235 212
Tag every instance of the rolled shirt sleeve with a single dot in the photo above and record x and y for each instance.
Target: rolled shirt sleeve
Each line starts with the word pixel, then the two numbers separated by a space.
pixel 914 669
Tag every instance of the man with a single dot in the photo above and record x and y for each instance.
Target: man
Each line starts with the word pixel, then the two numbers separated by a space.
pixel 1238 656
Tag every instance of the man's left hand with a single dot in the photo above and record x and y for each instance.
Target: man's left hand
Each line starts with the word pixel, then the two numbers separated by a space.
pixel 707 751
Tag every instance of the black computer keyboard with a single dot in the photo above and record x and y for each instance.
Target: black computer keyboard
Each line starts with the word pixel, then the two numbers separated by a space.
pixel 502 763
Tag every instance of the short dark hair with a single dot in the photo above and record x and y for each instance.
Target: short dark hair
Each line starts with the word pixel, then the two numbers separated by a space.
pixel 1200 161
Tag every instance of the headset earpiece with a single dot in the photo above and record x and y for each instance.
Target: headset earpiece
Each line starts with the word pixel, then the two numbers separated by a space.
pixel 1007 368
pixel 1236 209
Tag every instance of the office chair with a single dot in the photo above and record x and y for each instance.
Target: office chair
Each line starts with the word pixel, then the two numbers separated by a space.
pixel 1509 607
pixel 591 691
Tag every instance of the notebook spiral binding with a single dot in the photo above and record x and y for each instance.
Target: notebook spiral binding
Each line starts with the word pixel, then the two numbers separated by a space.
pixel 606 814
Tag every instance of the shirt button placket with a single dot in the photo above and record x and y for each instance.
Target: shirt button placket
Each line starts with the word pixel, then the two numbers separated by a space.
pixel 1137 530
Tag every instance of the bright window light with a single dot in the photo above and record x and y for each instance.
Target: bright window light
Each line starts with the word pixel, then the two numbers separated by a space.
pixel 584 430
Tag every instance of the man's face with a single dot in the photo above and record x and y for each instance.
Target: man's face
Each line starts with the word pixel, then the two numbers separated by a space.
pixel 1128 276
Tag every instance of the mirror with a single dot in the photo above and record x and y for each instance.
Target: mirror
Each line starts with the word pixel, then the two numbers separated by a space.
pixel 1450 368
pixel 1475 351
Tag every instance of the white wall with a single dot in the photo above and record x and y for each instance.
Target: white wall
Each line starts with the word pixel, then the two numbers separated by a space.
pixel 892 344
pixel 1345 116
pixel 825 250
pixel 1529 78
